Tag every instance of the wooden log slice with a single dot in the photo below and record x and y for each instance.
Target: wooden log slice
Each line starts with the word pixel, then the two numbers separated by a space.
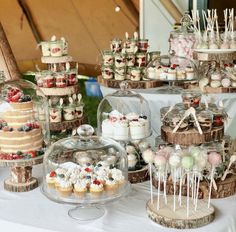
pixel 165 216
pixel 138 176
pixel 21 162
pixel 112 83
pixel 205 56
pixel 55 59
pixel 69 90
pixel 225 188
pixel 191 136
pixel 20 187
pixel 68 125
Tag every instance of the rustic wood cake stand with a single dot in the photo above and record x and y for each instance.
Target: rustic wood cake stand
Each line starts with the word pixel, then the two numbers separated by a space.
pixel 21 179
pixel 225 188
pixel 68 125
pixel 205 57
pixel 178 219
pixel 192 136
pixel 112 83
pixel 138 176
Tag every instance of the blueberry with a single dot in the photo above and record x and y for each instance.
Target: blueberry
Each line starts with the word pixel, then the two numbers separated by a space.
pixel 111 179
pixel 88 177
pixel 61 175
pixel 88 164
pixel 27 98
pixel 26 128
pixel 20 129
pixel 19 153
pixel 10 129
pixel 111 166
pixel 99 165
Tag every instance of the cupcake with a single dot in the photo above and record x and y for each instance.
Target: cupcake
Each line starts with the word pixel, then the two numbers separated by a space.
pixel 51 179
pixel 158 72
pixel 111 185
pixel 171 76
pixel 144 120
pixel 121 129
pixel 80 188
pixel 189 73
pixel 65 188
pixel 117 175
pixel 107 128
pixel 137 129
pixel 96 188
pixel 132 160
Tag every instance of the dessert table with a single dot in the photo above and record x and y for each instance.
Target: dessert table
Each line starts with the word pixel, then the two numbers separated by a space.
pixel 157 100
pixel 33 212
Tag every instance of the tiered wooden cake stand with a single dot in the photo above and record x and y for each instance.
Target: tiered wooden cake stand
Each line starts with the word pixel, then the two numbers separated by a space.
pixel 144 84
pixel 216 56
pixel 62 92
pixel 21 179
pixel 224 188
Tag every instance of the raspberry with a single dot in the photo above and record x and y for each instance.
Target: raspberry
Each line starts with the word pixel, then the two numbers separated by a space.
pixel 52 174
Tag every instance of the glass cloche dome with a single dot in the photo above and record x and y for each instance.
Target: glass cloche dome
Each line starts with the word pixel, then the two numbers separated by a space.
pixel 172 68
pixel 124 115
pixel 87 171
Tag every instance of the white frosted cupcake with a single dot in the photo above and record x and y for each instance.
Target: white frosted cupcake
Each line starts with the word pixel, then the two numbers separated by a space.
pixel 121 130
pixel 189 73
pixel 144 120
pixel 107 128
pixel 111 185
pixel 80 188
pixel 96 188
pixel 51 179
pixel 171 76
pixel 65 188
pixel 117 175
pixel 137 129
pixel 132 160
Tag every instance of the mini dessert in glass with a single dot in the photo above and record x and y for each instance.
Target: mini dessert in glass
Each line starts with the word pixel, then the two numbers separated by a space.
pixel 191 99
pixel 143 45
pixel 107 57
pixel 116 45
pixel 205 119
pixel 56 48
pixel 107 72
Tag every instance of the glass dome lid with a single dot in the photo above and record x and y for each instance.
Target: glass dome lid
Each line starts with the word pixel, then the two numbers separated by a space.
pixel 172 68
pixel 85 169
pixel 24 129
pixel 124 115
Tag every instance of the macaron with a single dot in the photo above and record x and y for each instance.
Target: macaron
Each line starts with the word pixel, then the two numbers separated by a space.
pixel 215 84
pixel 214 158
pixel 226 82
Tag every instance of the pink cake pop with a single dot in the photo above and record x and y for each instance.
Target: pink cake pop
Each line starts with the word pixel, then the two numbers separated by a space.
pixel 160 162
pixel 214 159
pixel 148 157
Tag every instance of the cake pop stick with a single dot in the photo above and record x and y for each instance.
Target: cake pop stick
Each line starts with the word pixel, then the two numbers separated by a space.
pixel 187 163
pixel 148 157
pixel 50 102
pixel 232 160
pixel 61 102
pixel 174 162
pixel 71 101
pixel 214 159
pixel 67 66
pixel 160 163
pixel 74 97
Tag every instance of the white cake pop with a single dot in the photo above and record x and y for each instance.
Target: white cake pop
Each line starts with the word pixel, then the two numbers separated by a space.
pixel 148 156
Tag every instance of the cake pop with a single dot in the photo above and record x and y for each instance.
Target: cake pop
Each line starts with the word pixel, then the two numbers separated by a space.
pixel 160 162
pixel 187 163
pixel 214 160
pixel 174 162
pixel 148 157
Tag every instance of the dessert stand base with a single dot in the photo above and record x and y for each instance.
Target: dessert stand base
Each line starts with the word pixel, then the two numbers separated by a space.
pixel 11 186
pixel 87 212
pixel 165 216
pixel 224 189
pixel 138 176
pixel 112 83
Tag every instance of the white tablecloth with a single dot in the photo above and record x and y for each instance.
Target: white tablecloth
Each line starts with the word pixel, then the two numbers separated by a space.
pixel 157 100
pixel 33 212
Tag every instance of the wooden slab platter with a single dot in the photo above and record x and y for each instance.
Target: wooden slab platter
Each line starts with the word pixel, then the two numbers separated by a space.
pixel 165 216
pixel 208 56
pixel 69 90
pixel 55 59
pixel 138 176
pixel 191 136
pixel 209 89
pixel 68 125
pixel 224 189
pixel 112 83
